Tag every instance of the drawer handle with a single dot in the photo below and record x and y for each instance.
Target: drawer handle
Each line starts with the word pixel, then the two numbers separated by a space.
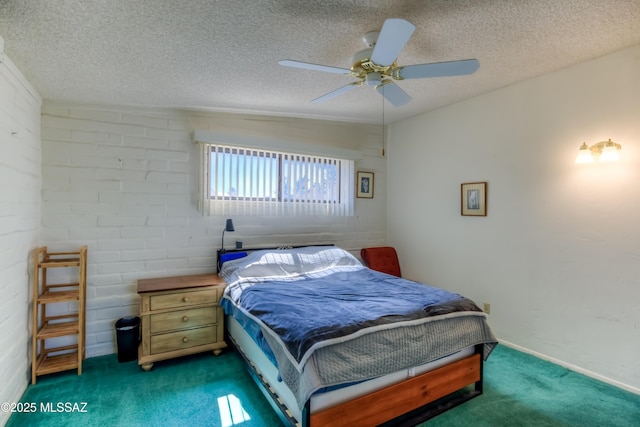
pixel 185 339
pixel 185 318
pixel 185 299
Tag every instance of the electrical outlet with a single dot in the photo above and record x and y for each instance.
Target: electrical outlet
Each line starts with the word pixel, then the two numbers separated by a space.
pixel 487 308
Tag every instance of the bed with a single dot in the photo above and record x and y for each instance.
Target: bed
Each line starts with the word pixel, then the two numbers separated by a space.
pixel 331 342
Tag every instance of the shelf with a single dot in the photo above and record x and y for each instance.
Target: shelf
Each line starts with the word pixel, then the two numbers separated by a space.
pixel 61 362
pixel 61 262
pixel 52 330
pixel 50 297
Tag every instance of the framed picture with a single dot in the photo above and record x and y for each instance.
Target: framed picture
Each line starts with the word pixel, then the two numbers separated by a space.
pixel 364 183
pixel 473 199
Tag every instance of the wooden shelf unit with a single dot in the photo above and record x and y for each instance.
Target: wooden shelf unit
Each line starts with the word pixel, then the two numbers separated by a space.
pixel 47 325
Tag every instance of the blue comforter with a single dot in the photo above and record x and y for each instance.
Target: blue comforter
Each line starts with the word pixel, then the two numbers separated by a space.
pixel 305 308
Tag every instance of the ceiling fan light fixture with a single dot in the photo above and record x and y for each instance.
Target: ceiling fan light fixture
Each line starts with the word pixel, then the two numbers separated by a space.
pixel 373 79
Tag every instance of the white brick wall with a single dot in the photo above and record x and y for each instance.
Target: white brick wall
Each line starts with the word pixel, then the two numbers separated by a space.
pixel 123 181
pixel 19 224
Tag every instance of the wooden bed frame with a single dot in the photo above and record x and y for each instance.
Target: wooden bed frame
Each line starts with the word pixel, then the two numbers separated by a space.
pixel 405 403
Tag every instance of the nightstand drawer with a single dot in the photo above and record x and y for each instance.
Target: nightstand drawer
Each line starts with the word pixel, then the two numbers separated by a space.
pixel 182 339
pixel 183 319
pixel 184 299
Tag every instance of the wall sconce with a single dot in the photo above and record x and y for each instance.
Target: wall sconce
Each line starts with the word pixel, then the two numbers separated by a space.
pixel 604 151
pixel 228 227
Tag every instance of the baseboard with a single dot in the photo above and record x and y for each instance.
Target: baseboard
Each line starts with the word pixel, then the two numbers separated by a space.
pixel 574 368
pixel 5 415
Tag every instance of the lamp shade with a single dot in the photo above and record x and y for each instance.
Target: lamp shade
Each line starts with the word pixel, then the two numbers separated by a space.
pixel 584 155
pixel 228 227
pixel 610 153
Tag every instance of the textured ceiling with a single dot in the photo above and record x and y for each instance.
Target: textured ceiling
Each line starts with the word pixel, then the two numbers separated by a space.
pixel 222 55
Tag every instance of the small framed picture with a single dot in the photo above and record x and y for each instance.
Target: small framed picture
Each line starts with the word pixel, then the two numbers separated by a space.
pixel 364 183
pixel 473 199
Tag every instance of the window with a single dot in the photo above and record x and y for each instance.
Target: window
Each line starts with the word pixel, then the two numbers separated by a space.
pixel 243 174
pixel 248 181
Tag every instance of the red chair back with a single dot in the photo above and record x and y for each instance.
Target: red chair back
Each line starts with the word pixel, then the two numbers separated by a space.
pixel 383 258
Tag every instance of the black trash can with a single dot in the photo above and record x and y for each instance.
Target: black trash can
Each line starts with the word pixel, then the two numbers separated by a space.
pixel 128 337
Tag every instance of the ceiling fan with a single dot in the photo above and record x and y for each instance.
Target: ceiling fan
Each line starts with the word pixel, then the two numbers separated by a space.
pixel 376 65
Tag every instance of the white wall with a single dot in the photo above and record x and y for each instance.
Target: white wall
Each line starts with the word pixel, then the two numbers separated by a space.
pixel 558 256
pixel 19 224
pixel 124 182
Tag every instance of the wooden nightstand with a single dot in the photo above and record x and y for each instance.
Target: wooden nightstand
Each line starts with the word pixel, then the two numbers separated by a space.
pixel 180 315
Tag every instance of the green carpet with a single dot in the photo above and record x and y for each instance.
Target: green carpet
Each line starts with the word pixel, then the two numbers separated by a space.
pixel 203 390
pixel 178 392
pixel 522 390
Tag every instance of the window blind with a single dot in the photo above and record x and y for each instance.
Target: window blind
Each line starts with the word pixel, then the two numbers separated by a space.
pixel 238 180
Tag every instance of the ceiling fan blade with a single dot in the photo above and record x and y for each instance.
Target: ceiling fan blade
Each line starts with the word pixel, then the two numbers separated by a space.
pixel 339 91
pixel 393 93
pixel 438 69
pixel 394 35
pixel 314 67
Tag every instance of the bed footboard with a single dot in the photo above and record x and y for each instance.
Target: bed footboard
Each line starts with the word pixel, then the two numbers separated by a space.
pixel 404 403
